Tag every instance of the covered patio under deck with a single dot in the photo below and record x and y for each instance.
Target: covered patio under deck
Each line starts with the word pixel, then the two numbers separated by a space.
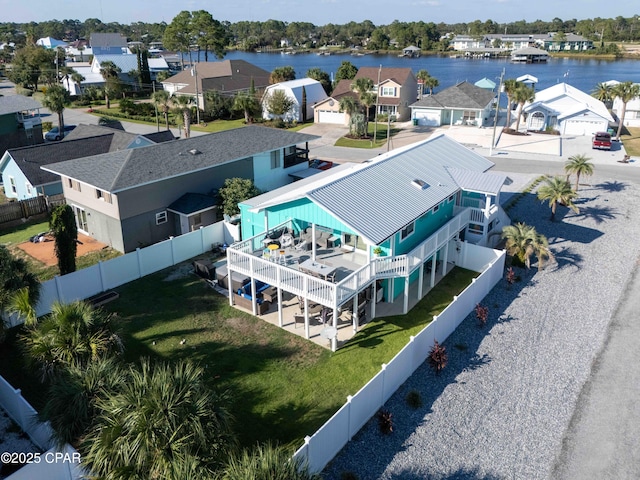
pixel 355 283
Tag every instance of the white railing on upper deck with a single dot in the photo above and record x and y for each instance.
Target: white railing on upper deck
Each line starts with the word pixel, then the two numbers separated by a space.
pixel 240 258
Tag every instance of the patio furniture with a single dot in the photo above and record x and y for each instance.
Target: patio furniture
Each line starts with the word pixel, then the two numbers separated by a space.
pixel 245 302
pixel 317 269
pixel 204 269
pixel 333 241
pixel 270 294
pixel 237 279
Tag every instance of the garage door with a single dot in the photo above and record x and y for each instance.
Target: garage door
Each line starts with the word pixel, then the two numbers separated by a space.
pixel 582 127
pixel 430 119
pixel 328 116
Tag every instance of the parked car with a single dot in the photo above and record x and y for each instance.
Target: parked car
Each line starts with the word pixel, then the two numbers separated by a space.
pixel 601 140
pixel 54 133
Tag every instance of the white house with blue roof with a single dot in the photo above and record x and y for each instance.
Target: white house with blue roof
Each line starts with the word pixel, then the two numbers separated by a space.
pixel 394 225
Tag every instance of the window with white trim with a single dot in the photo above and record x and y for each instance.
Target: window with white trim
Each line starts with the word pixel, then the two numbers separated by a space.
pixel 74 184
pixel 388 92
pixel 27 186
pixel 436 208
pixel 407 231
pixel 161 217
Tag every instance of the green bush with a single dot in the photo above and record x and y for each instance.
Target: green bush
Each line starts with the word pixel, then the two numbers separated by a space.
pixel 46 126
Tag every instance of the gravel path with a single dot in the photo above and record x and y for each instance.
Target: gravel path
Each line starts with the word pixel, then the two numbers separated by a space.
pixel 503 405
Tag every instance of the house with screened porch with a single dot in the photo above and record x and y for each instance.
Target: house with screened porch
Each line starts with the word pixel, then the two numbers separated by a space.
pixel 360 241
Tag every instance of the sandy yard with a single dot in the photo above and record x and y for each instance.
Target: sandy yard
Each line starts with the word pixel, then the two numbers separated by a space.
pixel 44 251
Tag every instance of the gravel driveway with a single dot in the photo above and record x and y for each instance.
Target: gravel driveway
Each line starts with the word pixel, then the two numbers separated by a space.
pixel 504 405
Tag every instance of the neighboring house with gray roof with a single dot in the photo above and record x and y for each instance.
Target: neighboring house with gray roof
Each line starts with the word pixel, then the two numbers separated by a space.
pixel 461 104
pixel 20 122
pixel 418 204
pixel 108 44
pixel 123 198
pixel 20 169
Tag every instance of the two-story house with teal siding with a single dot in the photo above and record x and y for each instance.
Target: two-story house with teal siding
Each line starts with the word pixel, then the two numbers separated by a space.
pixel 389 228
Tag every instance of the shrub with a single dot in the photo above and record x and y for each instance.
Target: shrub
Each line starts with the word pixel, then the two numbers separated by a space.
pixel 438 357
pixel 510 276
pixel 414 399
pixel 46 126
pixel 385 421
pixel 482 313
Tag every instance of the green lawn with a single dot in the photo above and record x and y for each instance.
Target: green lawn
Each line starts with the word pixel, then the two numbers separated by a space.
pixel 283 387
pixel 381 138
pixel 22 233
pixel 632 141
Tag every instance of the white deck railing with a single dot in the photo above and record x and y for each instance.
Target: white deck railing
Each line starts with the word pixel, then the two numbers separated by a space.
pixel 240 258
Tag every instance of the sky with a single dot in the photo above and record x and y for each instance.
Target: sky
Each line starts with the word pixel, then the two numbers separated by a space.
pixel 318 12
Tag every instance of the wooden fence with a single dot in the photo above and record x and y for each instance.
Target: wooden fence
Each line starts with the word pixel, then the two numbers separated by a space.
pixel 26 208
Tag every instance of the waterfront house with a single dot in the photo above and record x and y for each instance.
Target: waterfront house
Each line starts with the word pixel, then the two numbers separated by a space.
pixel 632 112
pixel 461 104
pixel 567 110
pixel 227 77
pixel 359 234
pixel 139 196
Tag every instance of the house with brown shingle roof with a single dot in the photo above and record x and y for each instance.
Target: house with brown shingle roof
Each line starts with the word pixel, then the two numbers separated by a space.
pixel 397 88
pixel 227 77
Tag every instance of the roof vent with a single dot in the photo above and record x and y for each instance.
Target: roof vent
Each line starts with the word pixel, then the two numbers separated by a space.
pixel 421 184
pixel 195 151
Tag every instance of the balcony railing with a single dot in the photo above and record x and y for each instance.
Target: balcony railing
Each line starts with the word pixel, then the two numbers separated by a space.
pixel 240 258
pixel 300 155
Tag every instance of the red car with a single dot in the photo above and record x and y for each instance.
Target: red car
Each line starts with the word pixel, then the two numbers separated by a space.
pixel 601 140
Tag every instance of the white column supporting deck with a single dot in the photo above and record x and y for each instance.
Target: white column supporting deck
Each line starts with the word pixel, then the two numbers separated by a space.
pixel 405 306
pixel 313 241
pixel 279 293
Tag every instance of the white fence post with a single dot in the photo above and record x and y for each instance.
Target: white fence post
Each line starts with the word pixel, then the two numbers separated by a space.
pixel 139 262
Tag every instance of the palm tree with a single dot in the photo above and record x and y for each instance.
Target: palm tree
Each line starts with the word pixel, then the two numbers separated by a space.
pixel 55 100
pixel 604 93
pixel 266 462
pixel 71 400
pixel 246 103
pixel 523 241
pixel 431 83
pixel 626 91
pixel 580 165
pixel 349 105
pixel 110 72
pixel 522 95
pixel 18 286
pixel 509 86
pixel 422 76
pixel 182 106
pixel 557 190
pixel 161 100
pixel 163 423
pixel 72 333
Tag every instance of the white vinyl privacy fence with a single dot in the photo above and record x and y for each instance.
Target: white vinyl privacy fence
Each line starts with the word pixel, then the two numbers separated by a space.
pixel 320 448
pixel 104 276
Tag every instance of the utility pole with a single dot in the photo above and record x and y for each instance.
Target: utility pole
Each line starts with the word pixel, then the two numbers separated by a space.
pixel 375 117
pixel 495 119
pixel 194 73
pixel 155 104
